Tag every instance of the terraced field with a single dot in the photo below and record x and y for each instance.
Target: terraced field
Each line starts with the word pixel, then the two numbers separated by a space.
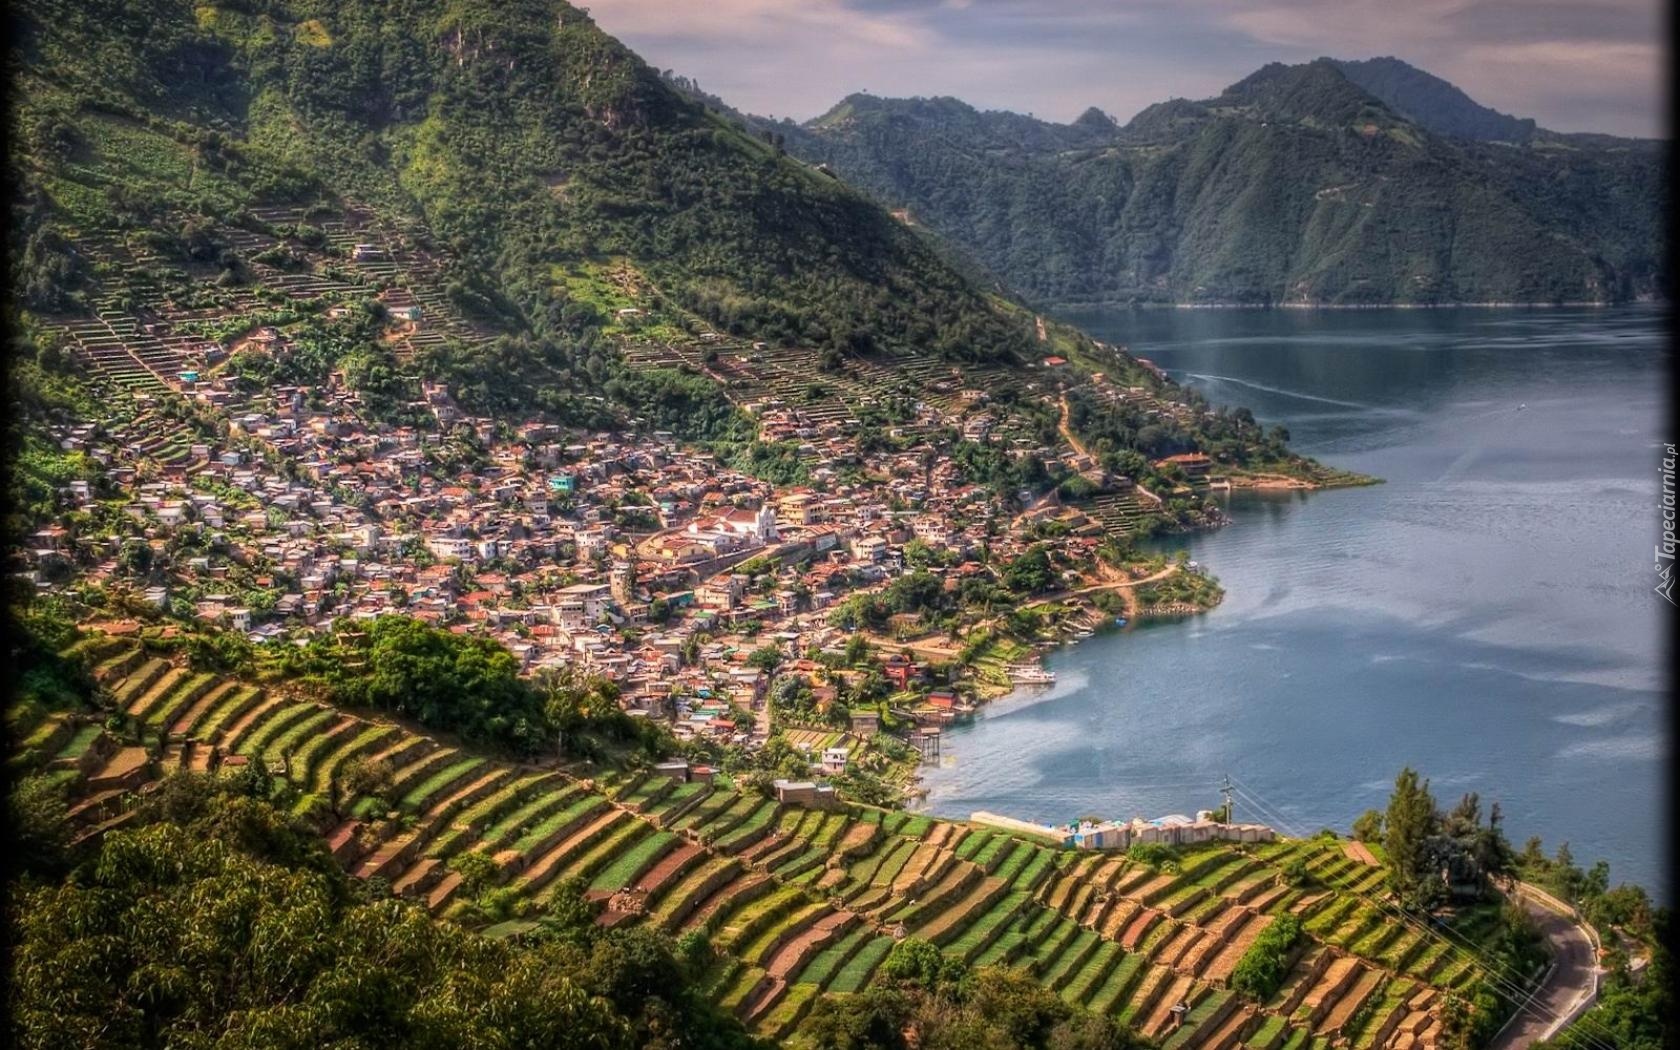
pixel 114 345
pixel 801 902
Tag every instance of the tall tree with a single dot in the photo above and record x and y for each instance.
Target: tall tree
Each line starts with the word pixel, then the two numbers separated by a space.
pixel 1411 822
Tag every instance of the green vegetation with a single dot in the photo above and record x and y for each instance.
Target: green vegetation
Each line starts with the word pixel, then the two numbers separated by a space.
pixel 545 157
pixel 1261 970
pixel 1297 184
pixel 1435 856
pixel 464 685
pixel 994 1007
pixel 295 953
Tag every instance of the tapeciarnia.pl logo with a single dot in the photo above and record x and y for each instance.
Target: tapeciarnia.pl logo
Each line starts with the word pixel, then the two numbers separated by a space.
pixel 1665 550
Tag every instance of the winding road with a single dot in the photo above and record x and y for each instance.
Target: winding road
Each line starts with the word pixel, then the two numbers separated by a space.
pixel 1569 985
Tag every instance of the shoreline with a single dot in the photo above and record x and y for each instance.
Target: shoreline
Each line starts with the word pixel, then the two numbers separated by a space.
pixel 1290 483
pixel 1571 305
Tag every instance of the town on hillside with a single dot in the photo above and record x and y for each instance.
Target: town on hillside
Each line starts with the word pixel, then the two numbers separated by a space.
pixel 884 585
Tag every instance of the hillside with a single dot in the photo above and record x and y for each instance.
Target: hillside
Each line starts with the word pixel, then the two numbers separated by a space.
pixel 801 906
pixel 1434 103
pixel 1332 183
pixel 531 151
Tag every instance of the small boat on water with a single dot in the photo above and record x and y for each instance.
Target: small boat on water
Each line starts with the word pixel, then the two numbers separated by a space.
pixel 1031 674
pixel 1119 621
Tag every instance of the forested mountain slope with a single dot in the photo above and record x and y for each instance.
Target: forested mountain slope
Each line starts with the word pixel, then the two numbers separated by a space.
pixel 518 134
pixel 1337 183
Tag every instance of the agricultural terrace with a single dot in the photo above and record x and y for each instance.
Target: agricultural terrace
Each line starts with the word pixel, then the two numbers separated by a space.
pixel 800 902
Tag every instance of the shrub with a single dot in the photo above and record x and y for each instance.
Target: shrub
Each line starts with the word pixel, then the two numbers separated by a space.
pixel 1155 855
pixel 1260 972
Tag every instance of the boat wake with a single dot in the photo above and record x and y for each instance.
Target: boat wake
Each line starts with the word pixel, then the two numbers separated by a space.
pixel 1300 396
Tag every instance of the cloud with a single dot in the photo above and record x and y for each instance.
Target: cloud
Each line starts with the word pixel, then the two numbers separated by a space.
pixel 1571 64
pixel 767 21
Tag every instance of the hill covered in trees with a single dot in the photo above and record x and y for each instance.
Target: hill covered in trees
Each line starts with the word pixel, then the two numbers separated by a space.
pixel 1329 182
pixel 520 138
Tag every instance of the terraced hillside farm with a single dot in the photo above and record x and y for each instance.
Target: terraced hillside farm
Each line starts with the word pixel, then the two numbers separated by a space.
pixel 160 321
pixel 800 902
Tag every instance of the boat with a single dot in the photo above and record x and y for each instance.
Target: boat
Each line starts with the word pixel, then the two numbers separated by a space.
pixel 1119 621
pixel 1032 674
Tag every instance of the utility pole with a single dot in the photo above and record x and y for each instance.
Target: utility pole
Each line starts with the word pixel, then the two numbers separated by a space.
pixel 1225 791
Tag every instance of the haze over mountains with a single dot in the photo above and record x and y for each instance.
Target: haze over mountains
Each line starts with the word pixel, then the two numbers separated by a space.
pixel 1329 182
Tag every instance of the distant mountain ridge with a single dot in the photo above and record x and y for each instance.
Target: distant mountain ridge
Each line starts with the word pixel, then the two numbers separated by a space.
pixel 1328 182
pixel 1434 103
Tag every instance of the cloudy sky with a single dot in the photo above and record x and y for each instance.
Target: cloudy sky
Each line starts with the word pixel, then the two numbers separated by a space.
pixel 1587 65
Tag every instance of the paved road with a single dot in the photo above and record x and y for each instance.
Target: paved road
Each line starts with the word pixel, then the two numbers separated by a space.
pixel 1569 984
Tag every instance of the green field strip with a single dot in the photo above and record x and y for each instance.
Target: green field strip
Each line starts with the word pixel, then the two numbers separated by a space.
pixel 1117 989
pixel 580 808
pixel 137 682
pixel 785 1016
pixel 857 970
pixel 161 705
pixel 223 712
pixel 422 793
pixel 1080 985
pixel 825 963
pixel 705 811
pixel 1069 958
pixel 261 733
pixel 621 836
pixel 756 950
pixel 632 863
pixel 528 814
pixel 282 744
pixel 735 994
pixel 504 799
pixel 79 743
pixel 301 768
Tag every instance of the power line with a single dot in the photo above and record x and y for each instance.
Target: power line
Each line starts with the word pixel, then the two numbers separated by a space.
pixel 1501 976
pixel 1497 975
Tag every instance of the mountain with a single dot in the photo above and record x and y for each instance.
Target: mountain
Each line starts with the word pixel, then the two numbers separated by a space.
pixel 519 141
pixel 1326 182
pixel 1434 103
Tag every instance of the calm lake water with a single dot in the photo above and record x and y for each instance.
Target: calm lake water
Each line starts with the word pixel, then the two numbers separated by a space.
pixel 1487 615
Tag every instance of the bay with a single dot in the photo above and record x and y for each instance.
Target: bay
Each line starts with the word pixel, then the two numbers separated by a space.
pixel 1487 615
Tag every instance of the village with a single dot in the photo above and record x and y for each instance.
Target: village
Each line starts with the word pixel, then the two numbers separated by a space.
pixel 279 512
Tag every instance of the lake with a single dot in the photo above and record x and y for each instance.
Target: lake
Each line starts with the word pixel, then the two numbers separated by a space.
pixel 1487 615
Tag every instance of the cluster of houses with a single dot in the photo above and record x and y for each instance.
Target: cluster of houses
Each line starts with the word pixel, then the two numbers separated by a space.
pixel 283 513
pixel 1172 830
pixel 614 551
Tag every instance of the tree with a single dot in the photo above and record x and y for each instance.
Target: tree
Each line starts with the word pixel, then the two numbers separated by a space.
pixel 573 701
pixel 1029 573
pixel 873 1020
pixel 364 775
pixel 477 871
pixel 130 954
pixel 916 961
pixel 1369 826
pixel 766 658
pixel 38 818
pixel 1411 822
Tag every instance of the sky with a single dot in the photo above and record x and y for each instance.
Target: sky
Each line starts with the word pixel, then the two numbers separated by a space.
pixel 1587 65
